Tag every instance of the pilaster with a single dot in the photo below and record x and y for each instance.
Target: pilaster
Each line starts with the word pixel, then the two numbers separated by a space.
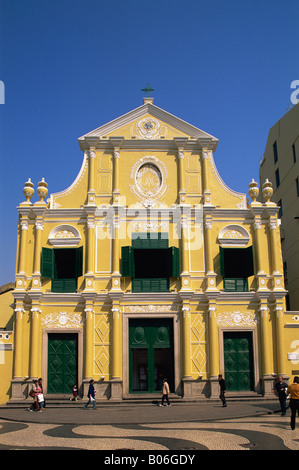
pixel 208 245
pixel 116 378
pixel 180 143
pixel 89 341
pixel 34 342
pixel 18 346
pixel 279 309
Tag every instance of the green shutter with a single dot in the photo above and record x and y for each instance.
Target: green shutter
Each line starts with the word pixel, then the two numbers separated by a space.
pixel 47 263
pixel 236 285
pixel 175 259
pixel 150 285
pixel 79 261
pixel 64 285
pixel 150 241
pixel 229 285
pixel 248 262
pixel 222 268
pixel 127 261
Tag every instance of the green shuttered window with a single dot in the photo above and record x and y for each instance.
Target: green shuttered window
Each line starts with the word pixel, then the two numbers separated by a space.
pixel 63 266
pixel 150 263
pixel 236 265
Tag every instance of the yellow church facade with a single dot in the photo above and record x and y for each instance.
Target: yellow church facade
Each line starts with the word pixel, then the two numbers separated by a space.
pixel 149 266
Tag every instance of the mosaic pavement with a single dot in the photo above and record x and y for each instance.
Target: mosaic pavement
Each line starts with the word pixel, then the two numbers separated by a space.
pixel 267 432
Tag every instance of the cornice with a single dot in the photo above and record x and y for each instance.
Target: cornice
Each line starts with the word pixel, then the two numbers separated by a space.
pixel 144 144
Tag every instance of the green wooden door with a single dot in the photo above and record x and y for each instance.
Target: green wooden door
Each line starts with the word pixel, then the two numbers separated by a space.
pixel 150 355
pixel 238 361
pixel 62 362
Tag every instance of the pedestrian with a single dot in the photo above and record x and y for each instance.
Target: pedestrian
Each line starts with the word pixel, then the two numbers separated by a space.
pixel 165 393
pixel 75 393
pixel 91 395
pixel 41 396
pixel 222 389
pixel 280 388
pixel 293 391
pixel 34 392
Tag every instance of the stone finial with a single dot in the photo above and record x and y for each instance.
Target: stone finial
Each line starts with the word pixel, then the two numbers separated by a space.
pixel 267 190
pixel 253 190
pixel 28 190
pixel 42 190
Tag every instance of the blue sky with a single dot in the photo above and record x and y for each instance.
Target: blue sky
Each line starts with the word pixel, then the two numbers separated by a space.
pixel 70 66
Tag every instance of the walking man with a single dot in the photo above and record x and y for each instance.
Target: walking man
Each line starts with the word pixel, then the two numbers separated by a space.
pixel 91 395
pixel 222 389
pixel 280 387
pixel 165 393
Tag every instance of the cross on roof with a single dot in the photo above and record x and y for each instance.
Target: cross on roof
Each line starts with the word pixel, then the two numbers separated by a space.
pixel 147 89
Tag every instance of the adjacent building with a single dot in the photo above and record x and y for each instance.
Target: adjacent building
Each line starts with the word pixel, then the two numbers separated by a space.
pixel 149 266
pixel 280 163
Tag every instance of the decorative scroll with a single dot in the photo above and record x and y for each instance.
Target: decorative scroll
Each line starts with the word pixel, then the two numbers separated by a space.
pixel 237 319
pixel 62 320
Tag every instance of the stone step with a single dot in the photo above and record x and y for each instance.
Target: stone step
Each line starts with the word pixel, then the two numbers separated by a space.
pixel 147 399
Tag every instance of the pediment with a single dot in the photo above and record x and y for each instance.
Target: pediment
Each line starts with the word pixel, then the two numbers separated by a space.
pixel 148 122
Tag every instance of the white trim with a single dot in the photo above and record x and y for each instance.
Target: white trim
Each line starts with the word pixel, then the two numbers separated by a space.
pixel 65 241
pixel 240 239
pixel 71 187
pixel 156 112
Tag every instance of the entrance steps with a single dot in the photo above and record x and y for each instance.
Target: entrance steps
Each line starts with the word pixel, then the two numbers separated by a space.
pixel 62 401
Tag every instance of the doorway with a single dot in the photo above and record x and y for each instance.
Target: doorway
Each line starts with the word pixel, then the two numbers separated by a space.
pixel 238 361
pixel 151 355
pixel 62 362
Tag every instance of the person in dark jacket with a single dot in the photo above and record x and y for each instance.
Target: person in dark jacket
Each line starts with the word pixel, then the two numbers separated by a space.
pixel 280 388
pixel 91 395
pixel 222 389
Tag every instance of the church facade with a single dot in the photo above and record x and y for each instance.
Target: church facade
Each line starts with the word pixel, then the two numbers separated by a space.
pixel 149 266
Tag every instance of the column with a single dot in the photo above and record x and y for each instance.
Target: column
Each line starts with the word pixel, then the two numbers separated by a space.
pixel 90 246
pixel 266 351
pixel 88 349
pixel 205 177
pixel 280 340
pixel 116 379
pixel 91 172
pixel 91 176
pixel 18 346
pixel 266 346
pixel 209 264
pixel 36 275
pixel 116 342
pixel 180 143
pixel 90 251
pixel 185 275
pixel 17 381
pixel 34 343
pixel 186 326
pixel 261 276
pixel 276 260
pixel 39 226
pixel 115 276
pixel 213 351
pixel 116 143
pixel 186 320
pixel 273 245
pixel 23 245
